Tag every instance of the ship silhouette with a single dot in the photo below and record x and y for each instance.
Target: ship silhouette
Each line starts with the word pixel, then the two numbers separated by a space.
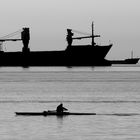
pixel 73 55
pixel 132 60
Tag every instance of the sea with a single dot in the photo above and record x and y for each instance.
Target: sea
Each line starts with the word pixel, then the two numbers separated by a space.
pixel 113 93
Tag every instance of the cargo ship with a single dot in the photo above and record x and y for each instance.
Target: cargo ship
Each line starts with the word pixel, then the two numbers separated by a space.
pixel 73 55
pixel 131 60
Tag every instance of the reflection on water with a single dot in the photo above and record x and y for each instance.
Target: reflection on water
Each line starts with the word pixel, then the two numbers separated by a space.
pixel 111 92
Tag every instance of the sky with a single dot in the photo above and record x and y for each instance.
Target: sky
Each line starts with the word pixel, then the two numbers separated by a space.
pixel 117 21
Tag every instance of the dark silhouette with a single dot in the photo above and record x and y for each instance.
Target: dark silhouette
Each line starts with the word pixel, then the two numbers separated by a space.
pixel 51 113
pixel 25 36
pixel 73 55
pixel 131 60
pixel 60 108
pixel 60 111
pixel 125 61
pixel 69 37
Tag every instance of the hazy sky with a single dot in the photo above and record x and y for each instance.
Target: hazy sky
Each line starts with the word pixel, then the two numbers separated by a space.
pixel 115 20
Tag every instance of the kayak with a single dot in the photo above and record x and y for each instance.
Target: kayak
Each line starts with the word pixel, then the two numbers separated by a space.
pixel 51 113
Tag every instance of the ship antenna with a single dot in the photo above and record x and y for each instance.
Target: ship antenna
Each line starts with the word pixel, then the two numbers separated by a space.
pixel 131 54
pixel 92 34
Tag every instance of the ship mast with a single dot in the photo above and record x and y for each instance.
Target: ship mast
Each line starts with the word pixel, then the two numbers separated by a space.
pixel 70 38
pixel 131 54
pixel 92 35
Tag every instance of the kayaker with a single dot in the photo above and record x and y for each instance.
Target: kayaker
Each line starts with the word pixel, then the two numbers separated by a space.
pixel 60 108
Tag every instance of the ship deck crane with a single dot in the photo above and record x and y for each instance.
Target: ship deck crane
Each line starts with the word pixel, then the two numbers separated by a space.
pixel 70 34
pixel 3 40
pixel 25 37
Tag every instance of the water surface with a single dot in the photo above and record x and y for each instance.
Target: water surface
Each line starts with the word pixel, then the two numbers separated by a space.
pixel 111 92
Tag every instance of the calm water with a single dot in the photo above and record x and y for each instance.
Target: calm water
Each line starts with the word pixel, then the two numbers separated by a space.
pixel 112 92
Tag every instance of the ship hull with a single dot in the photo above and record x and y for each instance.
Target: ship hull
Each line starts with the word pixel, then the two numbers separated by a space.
pixel 74 56
pixel 126 61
